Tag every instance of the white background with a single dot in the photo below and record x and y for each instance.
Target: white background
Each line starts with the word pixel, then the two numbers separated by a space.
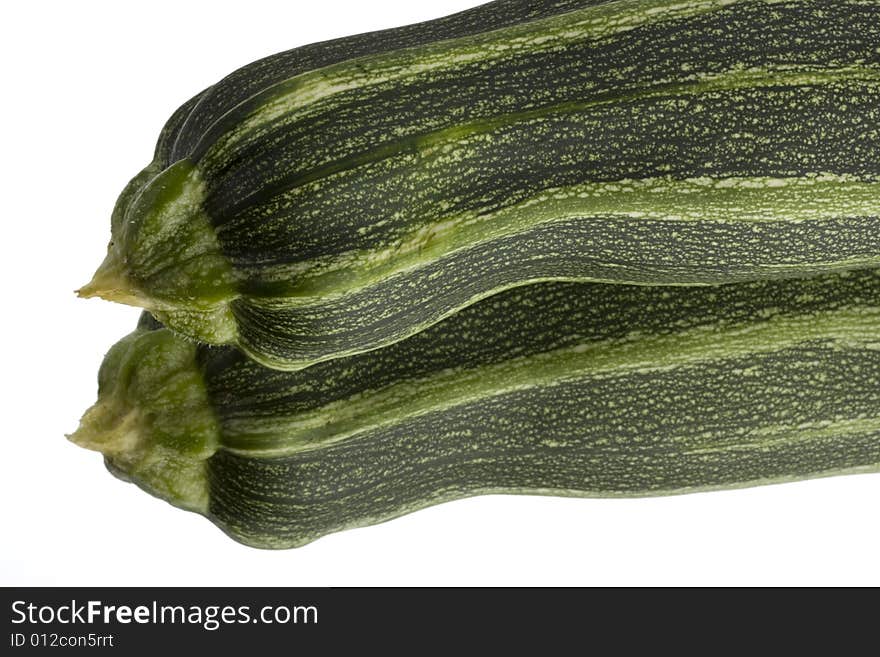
pixel 86 87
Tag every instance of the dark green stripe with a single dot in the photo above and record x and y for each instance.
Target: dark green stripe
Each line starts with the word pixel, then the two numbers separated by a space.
pixel 172 129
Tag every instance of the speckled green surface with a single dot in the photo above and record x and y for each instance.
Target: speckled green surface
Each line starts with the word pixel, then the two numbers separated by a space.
pixel 343 196
pixel 554 388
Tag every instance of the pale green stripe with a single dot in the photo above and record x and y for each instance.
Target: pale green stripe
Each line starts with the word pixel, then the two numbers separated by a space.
pixel 556 32
pixel 770 438
pixel 727 200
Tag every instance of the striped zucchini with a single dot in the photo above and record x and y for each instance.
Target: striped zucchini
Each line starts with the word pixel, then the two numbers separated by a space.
pixel 577 389
pixel 343 196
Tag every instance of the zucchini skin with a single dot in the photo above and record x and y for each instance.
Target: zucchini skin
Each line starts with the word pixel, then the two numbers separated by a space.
pixel 343 196
pixel 568 389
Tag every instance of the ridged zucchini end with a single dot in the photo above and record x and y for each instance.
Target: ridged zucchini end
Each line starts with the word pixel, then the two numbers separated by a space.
pixel 153 421
pixel 164 255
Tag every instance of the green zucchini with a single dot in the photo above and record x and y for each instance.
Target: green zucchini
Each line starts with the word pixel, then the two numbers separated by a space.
pixel 343 196
pixel 554 388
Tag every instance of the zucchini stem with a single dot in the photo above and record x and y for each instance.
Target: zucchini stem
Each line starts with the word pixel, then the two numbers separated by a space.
pixel 153 421
pixel 111 283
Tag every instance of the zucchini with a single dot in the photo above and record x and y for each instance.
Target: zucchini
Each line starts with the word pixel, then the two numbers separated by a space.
pixel 343 196
pixel 554 388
